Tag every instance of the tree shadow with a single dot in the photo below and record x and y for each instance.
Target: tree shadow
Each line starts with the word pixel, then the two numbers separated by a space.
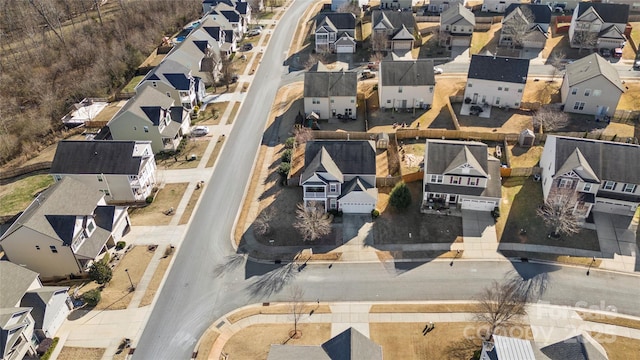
pixel 273 281
pixel 230 263
pixel 530 281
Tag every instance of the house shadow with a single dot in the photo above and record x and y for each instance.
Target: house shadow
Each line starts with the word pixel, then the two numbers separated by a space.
pixel 530 281
pixel 443 120
pixel 282 126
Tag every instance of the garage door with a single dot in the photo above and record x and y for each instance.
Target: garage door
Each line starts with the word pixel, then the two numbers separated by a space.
pixel 344 49
pixel 482 205
pixel 460 41
pixel 356 208
pixel 609 207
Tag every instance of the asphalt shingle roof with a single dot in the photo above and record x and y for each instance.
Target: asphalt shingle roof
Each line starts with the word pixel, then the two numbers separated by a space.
pixel 14 283
pixel 456 13
pixel 610 13
pixel 591 66
pixel 334 83
pixel 354 157
pixel 407 73
pixel 504 69
pixel 341 21
pixel 95 157
pixel 541 13
pixel 146 105
pixel 395 19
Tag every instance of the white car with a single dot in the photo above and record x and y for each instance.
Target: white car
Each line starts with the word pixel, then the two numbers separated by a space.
pixel 437 70
pixel 254 32
pixel 200 130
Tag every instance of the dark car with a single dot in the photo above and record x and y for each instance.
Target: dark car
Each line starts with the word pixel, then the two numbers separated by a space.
pixel 605 52
pixel 247 47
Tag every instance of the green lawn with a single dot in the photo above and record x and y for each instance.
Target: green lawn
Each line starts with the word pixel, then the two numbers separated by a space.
pixel 132 84
pixel 16 196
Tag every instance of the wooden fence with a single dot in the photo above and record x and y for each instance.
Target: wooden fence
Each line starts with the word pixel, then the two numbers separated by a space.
pixel 387 181
pixel 11 173
pixel 518 172
pixel 413 177
pixel 427 18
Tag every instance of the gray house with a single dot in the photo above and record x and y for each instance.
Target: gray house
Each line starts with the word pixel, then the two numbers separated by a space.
pixel 175 80
pixel 393 30
pixel 598 25
pixel 525 25
pixel 335 32
pixel 456 26
pixel 331 94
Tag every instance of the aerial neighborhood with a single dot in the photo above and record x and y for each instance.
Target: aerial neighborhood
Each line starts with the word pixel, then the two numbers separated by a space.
pixel 294 179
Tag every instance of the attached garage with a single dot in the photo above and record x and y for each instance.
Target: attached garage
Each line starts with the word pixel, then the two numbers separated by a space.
pixel 344 49
pixel 613 207
pixel 460 40
pixel 345 45
pixel 480 205
pixel 358 202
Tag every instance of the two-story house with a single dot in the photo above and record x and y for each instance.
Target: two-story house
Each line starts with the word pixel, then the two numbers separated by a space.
pixel 341 175
pixel 591 85
pixel 331 94
pixel 439 6
pixel 525 25
pixel 152 116
pixel 396 4
pixel 460 174
pixel 456 26
pixel 497 6
pixel 225 13
pixel 124 171
pixel 221 32
pixel 598 25
pixel 604 174
pixel 393 30
pixel 200 53
pixel 64 230
pixel 339 4
pixel 335 32
pixel 406 84
pixel 175 80
pixel 496 81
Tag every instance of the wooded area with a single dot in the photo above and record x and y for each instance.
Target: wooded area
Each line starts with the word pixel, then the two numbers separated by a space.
pixel 54 53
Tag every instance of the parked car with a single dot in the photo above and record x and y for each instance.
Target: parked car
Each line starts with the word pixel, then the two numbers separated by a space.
pixel 617 52
pixel 368 74
pixel 636 65
pixel 605 52
pixel 437 70
pixel 247 46
pixel 200 130
pixel 254 32
pixel 372 65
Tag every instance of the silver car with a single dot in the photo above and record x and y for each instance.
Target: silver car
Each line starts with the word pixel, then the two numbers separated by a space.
pixel 200 130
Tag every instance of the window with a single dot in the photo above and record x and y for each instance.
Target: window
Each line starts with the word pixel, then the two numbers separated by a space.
pixel 400 89
pixel 315 101
pixel 436 179
pixel 154 83
pixel 574 91
pixel 90 226
pixel 516 104
pixel 499 88
pixel 597 92
pixel 333 188
pixel 146 129
pixel 506 89
pixel 609 185
pixel 520 90
pixel 53 249
pixel 352 101
pixel 579 105
pixel 469 84
pixel 629 188
pixel 431 89
pixel 454 180
pixel 388 101
pixel 497 101
pixel 332 101
pixel 587 92
pixel 473 181
pixel 565 184
pixel 37 247
pixel 455 28
pixel 586 187
pixel 100 178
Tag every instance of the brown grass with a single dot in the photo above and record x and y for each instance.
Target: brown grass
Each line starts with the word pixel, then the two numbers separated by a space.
pixel 243 221
pixel 216 152
pixel 232 114
pixel 618 347
pixel 193 200
pixel 206 343
pixel 542 91
pixel 631 97
pixel 194 146
pixel 424 308
pixel 254 342
pixel 154 284
pixel 525 157
pixel 303 30
pixel 169 196
pixel 79 353
pixel 207 117
pixel 276 309
pixel 609 319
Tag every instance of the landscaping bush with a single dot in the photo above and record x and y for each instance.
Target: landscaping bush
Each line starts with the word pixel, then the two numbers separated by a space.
pixel 284 169
pixel 100 273
pixel 149 199
pixel 120 245
pixel 375 213
pixel 92 297
pixel 290 142
pixel 105 259
pixel 400 196
pixel 287 155
pixel 48 348
pixel 495 212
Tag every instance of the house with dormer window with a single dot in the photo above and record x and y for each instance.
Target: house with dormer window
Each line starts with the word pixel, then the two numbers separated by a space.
pixel 598 25
pixel 340 175
pixel 604 174
pixel 335 32
pixel 460 174
pixel 393 30
pixel 64 230
pixel 175 81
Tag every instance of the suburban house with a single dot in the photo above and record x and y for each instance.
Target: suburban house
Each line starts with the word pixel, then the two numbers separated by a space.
pixel 152 116
pixel 598 25
pixel 175 80
pixel 64 230
pixel 406 84
pixel 223 35
pixel 582 346
pixel 395 4
pixel 460 174
pixel 393 30
pixel 634 5
pixel 223 12
pixel 200 53
pixel 507 348
pixel 335 32
pixel 238 4
pixel 456 26
pixel 525 26
pixel 603 174
pixel 348 345
pixel 124 171
pixel 591 85
pixel 341 175
pixel 497 6
pixel 337 4
pixel 331 94
pixel 438 6
pixel 496 81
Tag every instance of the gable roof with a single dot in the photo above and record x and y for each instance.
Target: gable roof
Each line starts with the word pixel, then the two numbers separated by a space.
pixel 541 13
pixel 611 32
pixel 608 160
pixel 146 104
pixel 609 13
pixel 14 283
pixel 509 348
pixel 403 34
pixel 96 157
pixel 354 157
pixel 357 185
pixel 465 157
pixel 591 66
pixel 38 299
pixel 577 164
pixel 456 13
pixel 575 348
pixel 407 73
pixel 504 69
pixel 171 72
pixel 321 163
pixel 441 155
pixel 394 19
pixel 340 21
pixel 334 83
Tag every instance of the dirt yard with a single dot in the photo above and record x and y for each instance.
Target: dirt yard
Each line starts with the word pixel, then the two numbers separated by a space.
pixel 154 284
pixel 544 92
pixel 168 197
pixel 78 353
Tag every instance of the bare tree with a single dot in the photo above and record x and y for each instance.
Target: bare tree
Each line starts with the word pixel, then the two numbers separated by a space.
pixel 297 309
pixel 51 16
pixel 350 7
pixel 557 59
pixel 312 221
pixel 226 70
pixel 379 41
pixel 548 119
pixel 376 57
pixel 263 222
pixel 517 25
pixel 302 135
pixel 585 39
pixel 499 305
pixel 558 212
pixel 257 11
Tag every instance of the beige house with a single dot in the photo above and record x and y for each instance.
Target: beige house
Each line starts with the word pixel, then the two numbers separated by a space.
pixel 331 94
pixel 598 25
pixel 591 86
pixel 124 171
pixel 393 30
pixel 456 26
pixel 525 26
pixel 496 81
pixel 406 84
pixel 64 230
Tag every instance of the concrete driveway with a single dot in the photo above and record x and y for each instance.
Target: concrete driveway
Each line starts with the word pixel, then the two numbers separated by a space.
pixel 479 233
pixel 357 238
pixel 616 234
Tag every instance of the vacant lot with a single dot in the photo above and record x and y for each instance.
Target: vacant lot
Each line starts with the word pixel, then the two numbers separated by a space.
pixel 168 197
pixel 17 195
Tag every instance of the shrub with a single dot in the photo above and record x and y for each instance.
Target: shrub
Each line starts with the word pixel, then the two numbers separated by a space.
pixel 375 213
pixel 287 155
pixel 149 199
pixel 284 168
pixel 51 345
pixel 400 196
pixel 92 297
pixel 100 273
pixel 105 259
pixel 290 142
pixel 120 245
pixel 495 212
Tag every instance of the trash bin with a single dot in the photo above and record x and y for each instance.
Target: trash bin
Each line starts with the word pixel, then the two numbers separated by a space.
pixel 193 157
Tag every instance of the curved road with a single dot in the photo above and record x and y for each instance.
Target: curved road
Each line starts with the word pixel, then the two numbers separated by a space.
pixel 207 280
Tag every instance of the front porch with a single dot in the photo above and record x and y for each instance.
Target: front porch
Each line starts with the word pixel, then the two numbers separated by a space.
pixel 438 204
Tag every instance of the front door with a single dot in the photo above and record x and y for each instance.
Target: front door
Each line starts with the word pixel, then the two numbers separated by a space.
pixel 404 104
pixel 475 98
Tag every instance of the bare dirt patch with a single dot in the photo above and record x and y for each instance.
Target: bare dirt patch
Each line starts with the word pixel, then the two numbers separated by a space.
pixel 276 309
pixel 255 341
pixel 544 92
pixel 154 284
pixel 79 353
pixel 168 197
pixel 525 157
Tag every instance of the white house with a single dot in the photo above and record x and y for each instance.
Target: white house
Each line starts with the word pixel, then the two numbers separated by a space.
pixel 341 175
pixel 456 26
pixel 604 174
pixel 598 25
pixel 124 171
pixel 331 94
pixel 335 32
pixel 64 230
pixel 175 80
pixel 496 81
pixel 406 84
pixel 592 86
pixel 460 174
pixel 395 4
pixel 497 6
pixel 438 6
